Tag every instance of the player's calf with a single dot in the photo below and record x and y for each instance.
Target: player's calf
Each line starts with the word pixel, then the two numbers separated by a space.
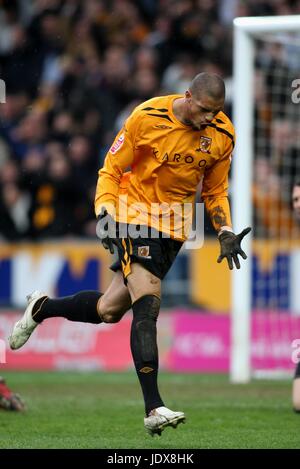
pixel 81 307
pixel 144 348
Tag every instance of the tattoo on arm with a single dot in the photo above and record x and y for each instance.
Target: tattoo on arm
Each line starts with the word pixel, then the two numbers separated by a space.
pixel 218 217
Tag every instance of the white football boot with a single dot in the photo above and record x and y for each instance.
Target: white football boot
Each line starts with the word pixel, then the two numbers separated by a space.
pixel 23 328
pixel 161 418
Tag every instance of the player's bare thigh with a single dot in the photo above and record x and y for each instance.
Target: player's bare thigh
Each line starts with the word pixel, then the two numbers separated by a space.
pixel 114 303
pixel 141 282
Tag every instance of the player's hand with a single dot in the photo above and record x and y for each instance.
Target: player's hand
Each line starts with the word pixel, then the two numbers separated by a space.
pixel 106 230
pixel 231 246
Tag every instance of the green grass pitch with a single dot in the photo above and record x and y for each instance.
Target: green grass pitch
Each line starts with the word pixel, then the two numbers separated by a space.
pixel 105 410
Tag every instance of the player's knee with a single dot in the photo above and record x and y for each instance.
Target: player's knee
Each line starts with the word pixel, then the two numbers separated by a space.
pixel 110 315
pixel 146 308
pixel 111 318
pixel 108 312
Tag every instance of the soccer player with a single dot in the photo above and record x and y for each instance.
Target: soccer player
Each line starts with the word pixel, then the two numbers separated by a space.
pixel 170 144
pixel 8 399
pixel 296 382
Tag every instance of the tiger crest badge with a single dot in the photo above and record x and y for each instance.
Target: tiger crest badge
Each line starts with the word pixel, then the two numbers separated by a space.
pixel 205 144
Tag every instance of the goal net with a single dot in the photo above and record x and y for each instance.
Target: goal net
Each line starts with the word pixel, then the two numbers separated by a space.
pixel 266 296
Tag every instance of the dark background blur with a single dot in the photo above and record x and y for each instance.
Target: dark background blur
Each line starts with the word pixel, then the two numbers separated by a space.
pixel 74 70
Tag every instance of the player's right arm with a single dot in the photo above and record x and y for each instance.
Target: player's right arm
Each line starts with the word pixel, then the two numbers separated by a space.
pixel 119 158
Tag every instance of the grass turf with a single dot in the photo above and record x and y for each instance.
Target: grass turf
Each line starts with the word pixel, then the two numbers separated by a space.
pixel 105 410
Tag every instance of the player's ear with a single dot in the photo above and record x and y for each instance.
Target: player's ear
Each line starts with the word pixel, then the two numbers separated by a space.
pixel 188 94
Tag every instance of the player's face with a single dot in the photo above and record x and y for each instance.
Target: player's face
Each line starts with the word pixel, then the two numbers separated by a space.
pixel 201 111
pixel 296 201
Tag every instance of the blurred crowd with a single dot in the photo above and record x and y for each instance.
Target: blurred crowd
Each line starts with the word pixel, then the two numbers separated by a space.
pixel 74 70
pixel 277 136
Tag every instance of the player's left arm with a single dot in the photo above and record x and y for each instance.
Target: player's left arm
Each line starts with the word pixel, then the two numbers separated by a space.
pixel 215 196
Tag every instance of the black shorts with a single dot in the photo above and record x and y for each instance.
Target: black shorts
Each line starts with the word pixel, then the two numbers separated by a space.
pixel 156 254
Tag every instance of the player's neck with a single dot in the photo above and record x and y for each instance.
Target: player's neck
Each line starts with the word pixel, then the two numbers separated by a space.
pixel 179 110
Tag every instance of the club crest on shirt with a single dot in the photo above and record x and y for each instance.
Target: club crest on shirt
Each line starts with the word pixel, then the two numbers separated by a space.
pixel 143 251
pixel 117 144
pixel 205 144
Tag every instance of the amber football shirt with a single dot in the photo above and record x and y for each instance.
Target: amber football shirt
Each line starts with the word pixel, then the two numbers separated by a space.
pixel 155 164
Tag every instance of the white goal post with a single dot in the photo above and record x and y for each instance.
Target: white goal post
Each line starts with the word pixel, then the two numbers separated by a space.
pixel 246 30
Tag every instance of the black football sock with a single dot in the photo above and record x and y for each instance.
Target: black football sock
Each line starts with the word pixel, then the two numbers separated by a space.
pixel 81 307
pixel 144 348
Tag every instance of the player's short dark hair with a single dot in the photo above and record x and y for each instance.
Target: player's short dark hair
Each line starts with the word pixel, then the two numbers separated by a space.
pixel 296 183
pixel 209 84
